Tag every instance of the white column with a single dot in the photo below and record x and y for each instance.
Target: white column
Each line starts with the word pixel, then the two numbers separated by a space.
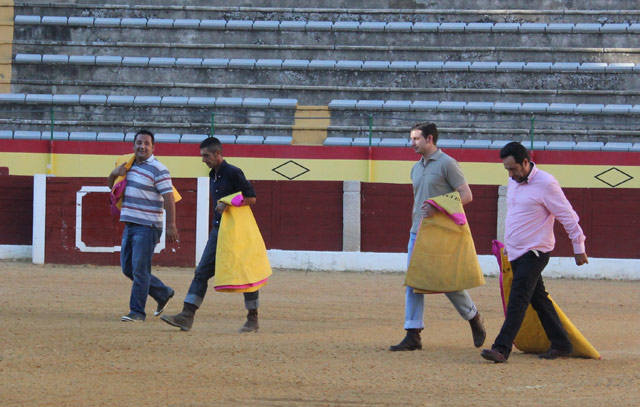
pixel 202 217
pixel 502 212
pixel 351 222
pixel 39 214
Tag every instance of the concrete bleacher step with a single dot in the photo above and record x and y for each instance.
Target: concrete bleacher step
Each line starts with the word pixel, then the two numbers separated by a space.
pixel 319 64
pixel 305 49
pixel 485 107
pixel 330 141
pixel 347 26
pixel 144 101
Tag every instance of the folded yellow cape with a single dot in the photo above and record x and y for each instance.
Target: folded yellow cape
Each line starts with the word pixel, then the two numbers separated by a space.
pixel 117 192
pixel 444 258
pixel 531 337
pixel 242 264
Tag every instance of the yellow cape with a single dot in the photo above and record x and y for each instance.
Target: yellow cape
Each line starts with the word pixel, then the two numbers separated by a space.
pixel 444 258
pixel 128 160
pixel 531 338
pixel 242 264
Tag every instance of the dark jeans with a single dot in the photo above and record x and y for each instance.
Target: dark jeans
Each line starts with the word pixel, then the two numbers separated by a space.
pixel 207 269
pixel 138 242
pixel 528 287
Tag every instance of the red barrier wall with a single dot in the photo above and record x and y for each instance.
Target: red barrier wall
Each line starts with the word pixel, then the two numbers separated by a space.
pixel 16 215
pixel 100 228
pixel 610 220
pixel 386 217
pixel 301 215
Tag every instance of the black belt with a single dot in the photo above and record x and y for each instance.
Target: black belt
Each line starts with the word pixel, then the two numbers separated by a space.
pixel 134 224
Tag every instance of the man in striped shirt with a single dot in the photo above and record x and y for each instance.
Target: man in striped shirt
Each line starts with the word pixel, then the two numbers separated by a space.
pixel 147 192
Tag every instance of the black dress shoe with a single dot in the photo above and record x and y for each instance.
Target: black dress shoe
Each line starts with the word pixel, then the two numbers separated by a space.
pixel 493 355
pixel 555 354
pixel 411 341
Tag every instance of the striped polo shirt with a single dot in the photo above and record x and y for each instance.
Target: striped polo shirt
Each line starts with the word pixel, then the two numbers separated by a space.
pixel 143 202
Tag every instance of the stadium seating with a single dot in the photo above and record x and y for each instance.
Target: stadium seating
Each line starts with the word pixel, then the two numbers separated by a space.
pixel 481 76
pixel 332 141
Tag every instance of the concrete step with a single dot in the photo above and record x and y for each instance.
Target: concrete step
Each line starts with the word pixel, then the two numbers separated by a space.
pixel 312 88
pixel 504 122
pixel 454 10
pixel 191 138
pixel 371 52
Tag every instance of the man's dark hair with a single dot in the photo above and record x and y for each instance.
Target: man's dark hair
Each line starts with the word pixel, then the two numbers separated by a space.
pixel 516 150
pixel 212 144
pixel 145 132
pixel 426 129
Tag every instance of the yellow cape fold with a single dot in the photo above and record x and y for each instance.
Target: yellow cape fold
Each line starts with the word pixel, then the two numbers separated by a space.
pixel 242 264
pixel 531 338
pixel 444 257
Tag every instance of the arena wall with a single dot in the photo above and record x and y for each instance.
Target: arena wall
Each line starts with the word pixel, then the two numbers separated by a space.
pixel 300 204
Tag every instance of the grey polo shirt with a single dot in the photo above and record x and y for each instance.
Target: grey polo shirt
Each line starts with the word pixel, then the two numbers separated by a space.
pixel 439 175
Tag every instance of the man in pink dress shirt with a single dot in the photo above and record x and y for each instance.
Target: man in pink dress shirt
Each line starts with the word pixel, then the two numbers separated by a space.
pixel 534 201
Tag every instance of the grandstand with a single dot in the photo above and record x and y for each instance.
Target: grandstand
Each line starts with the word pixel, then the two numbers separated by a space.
pixel 322 95
pixel 339 71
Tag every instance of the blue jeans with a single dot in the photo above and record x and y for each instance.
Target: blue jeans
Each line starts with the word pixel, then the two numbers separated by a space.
pixel 207 269
pixel 138 242
pixel 414 303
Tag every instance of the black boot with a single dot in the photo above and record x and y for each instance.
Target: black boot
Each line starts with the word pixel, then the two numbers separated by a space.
pixel 410 342
pixel 477 330
pixel 183 320
pixel 252 322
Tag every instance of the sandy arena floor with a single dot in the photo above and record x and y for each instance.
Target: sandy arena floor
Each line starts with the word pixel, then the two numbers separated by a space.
pixel 323 342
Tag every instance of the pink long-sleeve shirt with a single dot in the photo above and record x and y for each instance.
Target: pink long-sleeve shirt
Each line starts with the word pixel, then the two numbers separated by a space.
pixel 532 207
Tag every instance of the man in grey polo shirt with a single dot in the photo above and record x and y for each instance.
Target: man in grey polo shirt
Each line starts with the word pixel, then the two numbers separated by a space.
pixel 434 174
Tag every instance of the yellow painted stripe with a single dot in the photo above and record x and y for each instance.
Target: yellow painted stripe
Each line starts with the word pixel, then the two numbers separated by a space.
pixel 310 125
pixel 385 171
pixel 6 43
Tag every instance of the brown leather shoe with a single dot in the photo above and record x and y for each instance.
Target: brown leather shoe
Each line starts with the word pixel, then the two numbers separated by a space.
pixel 181 320
pixel 252 322
pixel 493 355
pixel 555 354
pixel 477 330
pixel 411 341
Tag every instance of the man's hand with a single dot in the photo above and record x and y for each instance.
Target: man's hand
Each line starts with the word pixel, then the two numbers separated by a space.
pixel 119 171
pixel 172 234
pixel 221 207
pixel 581 259
pixel 427 210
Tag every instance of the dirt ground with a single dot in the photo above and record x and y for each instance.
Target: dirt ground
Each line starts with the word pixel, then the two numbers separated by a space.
pixel 323 342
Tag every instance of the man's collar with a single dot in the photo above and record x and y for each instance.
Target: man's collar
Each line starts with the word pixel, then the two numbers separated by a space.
pixel 148 160
pixel 213 170
pixel 532 173
pixel 432 157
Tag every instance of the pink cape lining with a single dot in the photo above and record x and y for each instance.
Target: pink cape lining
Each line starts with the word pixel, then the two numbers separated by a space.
pixel 458 218
pixel 237 200
pixel 115 195
pixel 496 245
pixel 238 287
